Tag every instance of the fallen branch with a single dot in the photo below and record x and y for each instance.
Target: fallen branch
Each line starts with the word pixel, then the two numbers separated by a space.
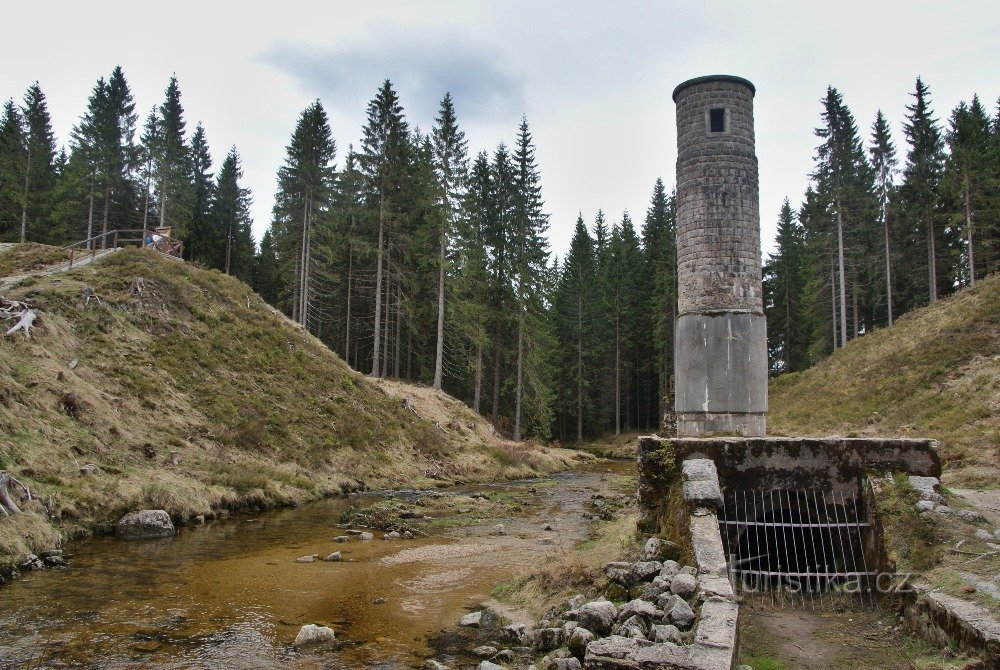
pixel 89 294
pixel 7 504
pixel 25 323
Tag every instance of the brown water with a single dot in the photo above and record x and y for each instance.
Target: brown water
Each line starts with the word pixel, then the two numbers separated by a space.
pixel 230 594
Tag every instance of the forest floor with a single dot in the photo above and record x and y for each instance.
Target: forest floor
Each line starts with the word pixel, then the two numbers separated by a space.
pixel 259 413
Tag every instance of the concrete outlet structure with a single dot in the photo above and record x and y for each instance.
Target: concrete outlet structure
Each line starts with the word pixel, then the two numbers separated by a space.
pixel 720 337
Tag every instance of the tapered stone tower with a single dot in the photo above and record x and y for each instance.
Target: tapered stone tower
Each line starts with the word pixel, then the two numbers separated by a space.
pixel 720 337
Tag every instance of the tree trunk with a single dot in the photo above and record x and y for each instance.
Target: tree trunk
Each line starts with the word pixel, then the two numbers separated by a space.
pixel 378 292
pixel 618 378
pixel 931 261
pixel 968 228
pixel 145 202
pixel 854 300
pixel 388 311
pixel 229 242
pixel 90 217
pixel 479 378
pixel 843 282
pixel 788 322
pixel 439 353
pixel 399 323
pixel 24 200
pixel 347 318
pixel 520 364
pixel 163 200
pixel 579 368
pixel 495 412
pixel 833 301
pixel 888 265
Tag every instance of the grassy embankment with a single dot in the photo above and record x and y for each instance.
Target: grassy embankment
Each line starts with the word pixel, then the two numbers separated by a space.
pixel 935 373
pixel 261 413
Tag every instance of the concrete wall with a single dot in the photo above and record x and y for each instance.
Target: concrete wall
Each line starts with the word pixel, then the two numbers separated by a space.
pixel 721 343
pixel 823 464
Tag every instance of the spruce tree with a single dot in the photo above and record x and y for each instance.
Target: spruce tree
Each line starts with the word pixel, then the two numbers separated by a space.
pixel 660 251
pixel 499 237
pixel 967 181
pixel 529 259
pixel 784 282
pixel 40 170
pixel 13 163
pixel 473 290
pixel 574 317
pixel 883 160
pixel 384 162
pixel 199 241
pixel 451 165
pixel 919 191
pixel 844 183
pixel 150 146
pixel 173 165
pixel 229 216
pixel 306 184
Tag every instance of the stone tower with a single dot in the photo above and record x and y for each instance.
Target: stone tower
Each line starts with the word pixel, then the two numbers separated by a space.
pixel 720 337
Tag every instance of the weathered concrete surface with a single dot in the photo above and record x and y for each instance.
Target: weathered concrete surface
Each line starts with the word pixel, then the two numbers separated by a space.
pixel 828 464
pixel 721 373
pixel 720 343
pixel 946 620
pixel 701 483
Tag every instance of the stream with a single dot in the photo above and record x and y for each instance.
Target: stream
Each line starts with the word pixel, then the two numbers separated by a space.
pixel 231 594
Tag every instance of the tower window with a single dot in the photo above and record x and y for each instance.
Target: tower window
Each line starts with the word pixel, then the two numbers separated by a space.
pixel 717 120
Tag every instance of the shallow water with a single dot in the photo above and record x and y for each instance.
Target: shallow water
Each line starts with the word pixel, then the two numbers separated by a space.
pixel 229 594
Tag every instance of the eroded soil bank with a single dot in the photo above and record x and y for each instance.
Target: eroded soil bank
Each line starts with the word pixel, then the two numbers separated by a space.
pixel 231 594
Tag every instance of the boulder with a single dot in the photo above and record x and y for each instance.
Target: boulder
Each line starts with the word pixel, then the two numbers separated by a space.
pixel 516 634
pixel 616 592
pixel 597 616
pixel 666 601
pixel 333 558
pixel 619 573
pixel 645 570
pixel 970 516
pixel 578 641
pixel 472 620
pixel 637 607
pixel 684 585
pixel 925 505
pixel 670 568
pixel 311 634
pixel 484 651
pixel 345 538
pixel 144 525
pixel 392 536
pixel 487 665
pixel 665 633
pixel 431 664
pixel 306 559
pixel 365 536
pixel 579 599
pixel 634 627
pixel 570 663
pixel 681 614
pixel 503 656
pixel 547 639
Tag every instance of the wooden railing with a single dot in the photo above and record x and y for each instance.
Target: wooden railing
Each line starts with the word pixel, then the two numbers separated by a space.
pixel 113 239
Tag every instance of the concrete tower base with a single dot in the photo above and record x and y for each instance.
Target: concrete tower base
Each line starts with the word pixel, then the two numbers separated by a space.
pixel 721 373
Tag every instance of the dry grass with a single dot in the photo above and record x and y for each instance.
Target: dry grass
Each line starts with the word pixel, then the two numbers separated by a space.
pixel 935 373
pixel 261 413
pixel 23 258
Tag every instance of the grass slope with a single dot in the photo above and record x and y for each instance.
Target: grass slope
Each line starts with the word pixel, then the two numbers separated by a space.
pixel 934 373
pixel 260 412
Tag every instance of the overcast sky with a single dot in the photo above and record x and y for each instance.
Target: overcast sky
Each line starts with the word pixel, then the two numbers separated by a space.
pixel 593 78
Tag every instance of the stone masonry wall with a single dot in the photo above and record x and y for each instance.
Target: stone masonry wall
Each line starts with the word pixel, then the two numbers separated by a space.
pixel 718 210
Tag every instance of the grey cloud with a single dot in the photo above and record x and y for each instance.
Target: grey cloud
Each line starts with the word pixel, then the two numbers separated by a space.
pixel 422 69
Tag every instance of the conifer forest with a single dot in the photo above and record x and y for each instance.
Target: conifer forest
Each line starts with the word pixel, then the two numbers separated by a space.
pixel 415 256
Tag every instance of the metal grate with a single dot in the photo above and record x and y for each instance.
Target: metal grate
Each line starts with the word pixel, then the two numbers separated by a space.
pixel 796 546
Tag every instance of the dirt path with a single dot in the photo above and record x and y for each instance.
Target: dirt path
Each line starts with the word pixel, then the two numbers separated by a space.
pixel 810 640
